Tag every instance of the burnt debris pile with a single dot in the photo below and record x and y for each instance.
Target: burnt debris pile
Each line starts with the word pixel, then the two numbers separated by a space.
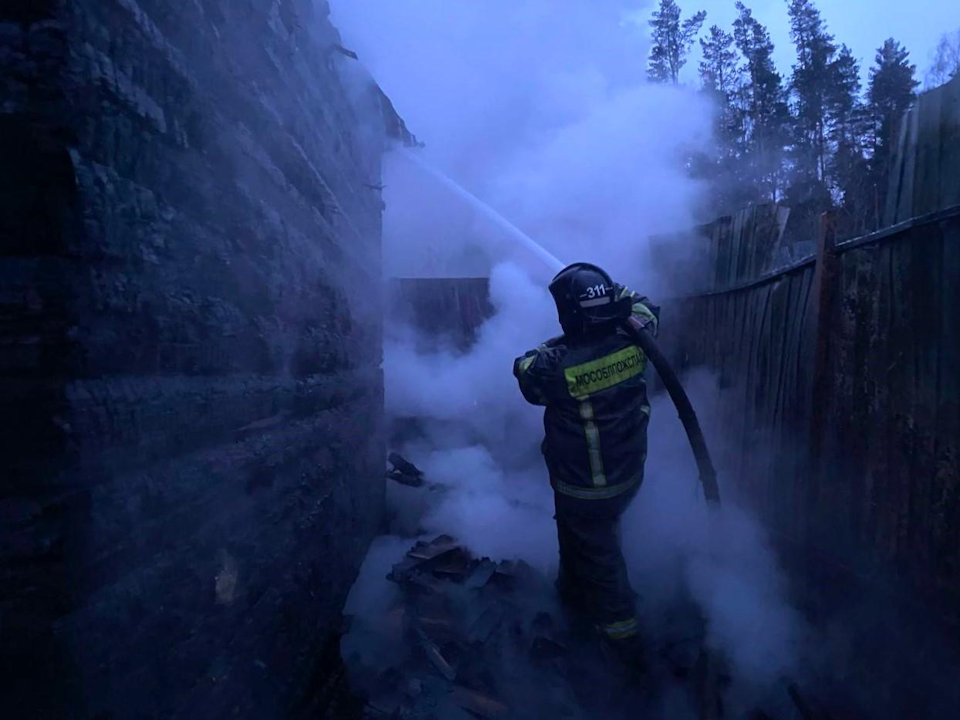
pixel 442 633
pixel 484 639
pixel 403 471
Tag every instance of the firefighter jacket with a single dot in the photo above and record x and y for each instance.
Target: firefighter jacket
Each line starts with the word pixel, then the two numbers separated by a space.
pixel 596 415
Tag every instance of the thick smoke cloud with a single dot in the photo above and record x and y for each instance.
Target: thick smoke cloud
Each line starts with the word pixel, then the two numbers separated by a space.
pixel 481 444
pixel 539 108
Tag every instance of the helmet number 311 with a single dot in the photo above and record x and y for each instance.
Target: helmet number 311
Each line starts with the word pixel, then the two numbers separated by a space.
pixel 596 291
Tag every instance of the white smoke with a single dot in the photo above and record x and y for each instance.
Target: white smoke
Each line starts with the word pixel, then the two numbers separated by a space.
pixel 539 108
pixel 676 544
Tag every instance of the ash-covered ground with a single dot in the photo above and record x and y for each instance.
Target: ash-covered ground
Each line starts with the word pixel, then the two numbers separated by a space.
pixel 437 632
pixel 467 637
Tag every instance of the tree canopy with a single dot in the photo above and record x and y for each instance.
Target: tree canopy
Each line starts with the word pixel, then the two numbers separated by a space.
pixel 814 137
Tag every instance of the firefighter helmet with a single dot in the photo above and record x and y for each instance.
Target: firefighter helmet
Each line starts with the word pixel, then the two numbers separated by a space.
pixel 586 299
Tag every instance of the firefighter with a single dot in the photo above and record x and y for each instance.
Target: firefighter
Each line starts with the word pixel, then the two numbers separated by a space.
pixel 591 382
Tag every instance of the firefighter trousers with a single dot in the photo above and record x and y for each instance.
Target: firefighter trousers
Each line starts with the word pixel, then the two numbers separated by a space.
pixel 593 575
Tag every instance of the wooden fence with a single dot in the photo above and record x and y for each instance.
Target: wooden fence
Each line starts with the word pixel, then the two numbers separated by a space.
pixel 725 252
pixel 925 170
pixel 841 370
pixel 841 381
pixel 452 308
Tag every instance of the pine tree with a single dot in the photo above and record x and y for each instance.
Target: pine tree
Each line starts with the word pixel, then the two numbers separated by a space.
pixel 811 87
pixel 762 104
pixel 721 80
pixel 718 69
pixel 848 120
pixel 890 94
pixel 672 39
pixel 843 96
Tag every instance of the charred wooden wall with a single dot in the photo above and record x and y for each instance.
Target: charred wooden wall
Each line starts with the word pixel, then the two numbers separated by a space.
pixel 190 385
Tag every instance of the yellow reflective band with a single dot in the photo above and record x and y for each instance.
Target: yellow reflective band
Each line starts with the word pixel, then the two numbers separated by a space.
pixel 593 444
pixel 604 492
pixel 526 363
pixel 597 375
pixel 622 629
pixel 645 409
pixel 641 309
pixel 645 312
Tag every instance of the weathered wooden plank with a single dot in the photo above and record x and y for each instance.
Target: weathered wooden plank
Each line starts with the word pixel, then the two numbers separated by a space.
pixel 869 343
pixel 863 390
pixel 944 530
pixel 895 358
pixel 905 201
pixel 787 366
pixel 735 334
pixel 711 274
pixel 948 395
pixel 926 279
pixel 735 308
pixel 807 346
pixel 710 348
pixel 717 347
pixel 825 297
pixel 927 255
pixel 736 373
pixel 730 242
pixel 747 243
pixel 903 376
pixel 950 144
pixel 783 217
pixel 760 377
pixel 758 241
pixel 753 369
pixel 721 254
pixel 896 485
pixel 779 330
pixel 736 232
pixel 743 245
pixel 748 319
pixel 802 405
pixel 785 470
pixel 768 237
pixel 926 187
pixel 714 253
pixel 843 494
pixel 724 244
pixel 895 174
pixel 874 309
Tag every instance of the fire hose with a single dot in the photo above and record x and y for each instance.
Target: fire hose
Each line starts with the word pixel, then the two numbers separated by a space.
pixel 705 467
